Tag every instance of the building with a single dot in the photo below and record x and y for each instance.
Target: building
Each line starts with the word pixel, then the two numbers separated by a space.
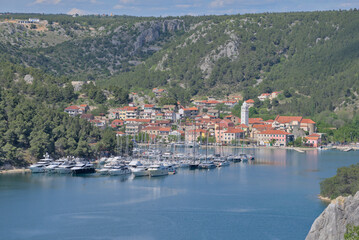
pixel 232 135
pixel 73 111
pixel 191 112
pixel 264 96
pixel 314 140
pixel 308 125
pixel 274 137
pixel 133 128
pixel 245 114
pixel 287 122
pixel 250 103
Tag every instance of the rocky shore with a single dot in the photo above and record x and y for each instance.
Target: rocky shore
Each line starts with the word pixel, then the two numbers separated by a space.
pixel 16 170
pixel 331 224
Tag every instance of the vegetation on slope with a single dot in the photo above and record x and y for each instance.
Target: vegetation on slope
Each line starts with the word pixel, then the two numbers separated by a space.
pixel 344 183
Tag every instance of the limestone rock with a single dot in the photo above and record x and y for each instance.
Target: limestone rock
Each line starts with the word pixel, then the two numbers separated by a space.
pixel 331 224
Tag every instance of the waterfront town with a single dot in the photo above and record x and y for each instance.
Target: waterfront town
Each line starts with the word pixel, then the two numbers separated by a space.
pixel 203 122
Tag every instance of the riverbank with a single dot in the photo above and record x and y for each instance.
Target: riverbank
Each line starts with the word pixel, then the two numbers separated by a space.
pixel 15 171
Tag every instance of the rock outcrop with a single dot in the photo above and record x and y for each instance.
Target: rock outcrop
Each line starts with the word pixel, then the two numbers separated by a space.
pixel 331 224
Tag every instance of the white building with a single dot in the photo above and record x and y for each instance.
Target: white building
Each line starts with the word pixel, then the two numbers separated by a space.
pixel 245 113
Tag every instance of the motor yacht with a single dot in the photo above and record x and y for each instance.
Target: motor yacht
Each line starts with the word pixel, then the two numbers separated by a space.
pixel 115 171
pixel 157 170
pixel 140 171
pixel 83 168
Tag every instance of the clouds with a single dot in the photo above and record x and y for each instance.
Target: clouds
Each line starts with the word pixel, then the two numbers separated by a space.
pixel 75 11
pixel 173 7
pixel 47 1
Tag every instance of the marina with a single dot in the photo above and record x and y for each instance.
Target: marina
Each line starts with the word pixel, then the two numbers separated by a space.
pixel 272 197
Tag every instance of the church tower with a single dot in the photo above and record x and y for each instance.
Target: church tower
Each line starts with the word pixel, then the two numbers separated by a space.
pixel 244 114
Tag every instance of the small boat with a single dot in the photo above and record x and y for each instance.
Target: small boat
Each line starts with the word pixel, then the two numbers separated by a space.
pixel 140 171
pixel 250 157
pixel 206 165
pixel 83 168
pixel 222 163
pixel 157 170
pixel 243 157
pixel 171 170
pixel 236 159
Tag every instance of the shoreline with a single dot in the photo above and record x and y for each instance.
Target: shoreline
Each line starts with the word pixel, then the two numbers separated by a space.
pixel 324 199
pixel 15 171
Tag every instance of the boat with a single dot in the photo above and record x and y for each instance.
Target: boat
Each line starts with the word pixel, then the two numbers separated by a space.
pixel 221 163
pixel 193 165
pixel 53 166
pixel 39 167
pixel 206 165
pixel 236 159
pixel 157 170
pixel 140 171
pixel 83 168
pixel 243 157
pixel 123 170
pixel 134 164
pixel 171 170
pixel 65 168
pixel 250 157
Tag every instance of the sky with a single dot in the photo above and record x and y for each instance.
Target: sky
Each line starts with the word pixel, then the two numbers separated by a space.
pixel 171 7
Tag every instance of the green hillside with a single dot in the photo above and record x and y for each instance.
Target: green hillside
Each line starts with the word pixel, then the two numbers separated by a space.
pixel 314 55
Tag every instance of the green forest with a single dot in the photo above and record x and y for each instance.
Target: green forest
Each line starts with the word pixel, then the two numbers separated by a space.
pixel 313 57
pixel 344 183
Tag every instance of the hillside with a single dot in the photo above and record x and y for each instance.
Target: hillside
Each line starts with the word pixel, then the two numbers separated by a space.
pixel 314 55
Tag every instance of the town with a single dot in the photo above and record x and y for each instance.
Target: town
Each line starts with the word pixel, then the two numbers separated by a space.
pixel 203 122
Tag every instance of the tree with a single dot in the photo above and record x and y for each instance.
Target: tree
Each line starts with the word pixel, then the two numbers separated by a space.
pixel 352 232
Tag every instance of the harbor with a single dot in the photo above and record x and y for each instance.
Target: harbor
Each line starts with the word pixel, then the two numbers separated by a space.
pixel 272 197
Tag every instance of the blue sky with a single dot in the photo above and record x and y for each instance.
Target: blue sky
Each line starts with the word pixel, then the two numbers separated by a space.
pixel 172 8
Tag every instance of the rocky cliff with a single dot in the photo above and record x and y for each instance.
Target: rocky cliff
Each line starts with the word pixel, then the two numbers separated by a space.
pixel 331 224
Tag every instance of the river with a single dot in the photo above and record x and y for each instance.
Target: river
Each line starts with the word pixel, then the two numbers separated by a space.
pixel 273 197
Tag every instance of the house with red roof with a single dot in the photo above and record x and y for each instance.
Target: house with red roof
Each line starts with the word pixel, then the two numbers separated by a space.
pixel 250 103
pixel 117 123
pixel 73 110
pixel 274 137
pixel 313 140
pixel 264 96
pixel 308 125
pixel 191 112
pixel 232 135
pixel 287 122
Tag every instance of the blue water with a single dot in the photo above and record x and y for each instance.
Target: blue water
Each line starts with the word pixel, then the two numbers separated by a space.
pixel 274 197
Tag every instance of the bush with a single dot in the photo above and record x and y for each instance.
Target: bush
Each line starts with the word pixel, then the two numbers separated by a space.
pixel 345 183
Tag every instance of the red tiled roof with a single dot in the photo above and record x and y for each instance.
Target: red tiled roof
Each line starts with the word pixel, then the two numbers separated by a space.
pixel 242 125
pixel 255 120
pixel 117 122
pixel 272 132
pixel 191 109
pixel 265 94
pixel 137 120
pixel 151 128
pixel 250 101
pixel 307 120
pixel 234 130
pixel 148 105
pixel 72 108
pixel 165 129
pixel 288 119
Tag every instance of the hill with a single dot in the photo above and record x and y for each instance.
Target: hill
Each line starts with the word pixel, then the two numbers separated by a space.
pixel 314 55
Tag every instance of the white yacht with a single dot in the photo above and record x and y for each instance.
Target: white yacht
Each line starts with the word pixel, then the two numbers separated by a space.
pixel 157 170
pixel 82 168
pixel 65 168
pixel 51 168
pixel 134 164
pixel 39 167
pixel 140 171
pixel 171 170
pixel 115 171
